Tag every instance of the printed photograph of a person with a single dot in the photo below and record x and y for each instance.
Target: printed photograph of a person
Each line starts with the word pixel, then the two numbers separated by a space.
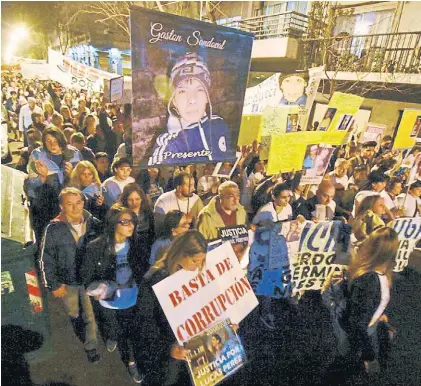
pixel 292 123
pixel 417 127
pixel 225 169
pixel 294 232
pixel 220 349
pixel 194 132
pixel 322 160
pixel 310 157
pixel 293 87
pixel 317 160
pixel 327 119
pixel 346 120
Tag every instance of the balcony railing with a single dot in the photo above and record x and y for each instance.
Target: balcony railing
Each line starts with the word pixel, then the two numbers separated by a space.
pixel 284 24
pixel 391 52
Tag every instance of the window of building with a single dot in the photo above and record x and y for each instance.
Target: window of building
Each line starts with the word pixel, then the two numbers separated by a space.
pixel 229 20
pixel 287 6
pixel 366 23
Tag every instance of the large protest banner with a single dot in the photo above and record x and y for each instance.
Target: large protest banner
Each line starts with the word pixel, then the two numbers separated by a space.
pixel 73 74
pixel 323 249
pixel 215 354
pixel 409 127
pixel 189 81
pixel 39 71
pixel 193 301
pixel 338 120
pixel 269 270
pixel 409 232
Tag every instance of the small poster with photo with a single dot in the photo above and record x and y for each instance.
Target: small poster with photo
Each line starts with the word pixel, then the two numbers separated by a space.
pixel 327 119
pixel 416 129
pixel 225 169
pixel 345 123
pixel 292 123
pixel 373 132
pixel 215 354
pixel 116 88
pixel 315 163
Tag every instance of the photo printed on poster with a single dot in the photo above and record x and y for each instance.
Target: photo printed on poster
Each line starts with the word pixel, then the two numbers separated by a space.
pixel 189 81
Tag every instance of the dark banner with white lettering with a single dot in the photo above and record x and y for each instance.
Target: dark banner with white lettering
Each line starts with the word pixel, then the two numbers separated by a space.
pixel 409 233
pixel 323 249
pixel 234 234
pixel 189 80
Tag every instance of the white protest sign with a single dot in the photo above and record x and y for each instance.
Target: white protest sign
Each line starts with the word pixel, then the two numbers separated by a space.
pixel 225 169
pixel 315 75
pixel 409 232
pixel 193 301
pixel 32 71
pixel 373 132
pixel 265 93
pixel 73 74
pixel 116 88
pixel 317 255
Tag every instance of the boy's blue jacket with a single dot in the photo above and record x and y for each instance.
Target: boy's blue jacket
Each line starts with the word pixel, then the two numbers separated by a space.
pixel 205 141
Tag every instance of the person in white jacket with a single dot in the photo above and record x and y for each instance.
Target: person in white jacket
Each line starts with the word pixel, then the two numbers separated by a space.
pixel 25 117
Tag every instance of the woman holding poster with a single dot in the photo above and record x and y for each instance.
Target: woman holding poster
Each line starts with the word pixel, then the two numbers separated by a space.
pixel 157 353
pixel 194 133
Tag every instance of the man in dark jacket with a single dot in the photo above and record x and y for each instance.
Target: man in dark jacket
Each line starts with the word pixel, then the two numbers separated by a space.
pixel 324 196
pixel 366 158
pixel 63 250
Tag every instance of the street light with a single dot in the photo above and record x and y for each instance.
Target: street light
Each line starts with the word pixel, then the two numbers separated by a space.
pixel 21 32
pixel 9 53
pixel 18 33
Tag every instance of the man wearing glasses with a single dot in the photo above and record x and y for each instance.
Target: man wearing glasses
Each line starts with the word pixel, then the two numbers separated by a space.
pixel 223 210
pixel 63 250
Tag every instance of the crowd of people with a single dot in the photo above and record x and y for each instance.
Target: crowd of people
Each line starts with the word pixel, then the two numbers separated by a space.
pixel 106 232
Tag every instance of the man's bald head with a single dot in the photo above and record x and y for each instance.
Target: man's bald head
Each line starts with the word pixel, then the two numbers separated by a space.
pixel 325 192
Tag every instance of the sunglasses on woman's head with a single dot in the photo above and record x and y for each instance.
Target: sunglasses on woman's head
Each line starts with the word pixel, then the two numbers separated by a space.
pixel 126 222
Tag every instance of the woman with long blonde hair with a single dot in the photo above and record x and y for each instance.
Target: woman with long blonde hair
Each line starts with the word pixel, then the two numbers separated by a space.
pixel 48 111
pixel 155 341
pixel 85 178
pixel 370 280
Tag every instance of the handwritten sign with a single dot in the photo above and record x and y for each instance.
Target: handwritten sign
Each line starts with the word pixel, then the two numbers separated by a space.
pixel 193 301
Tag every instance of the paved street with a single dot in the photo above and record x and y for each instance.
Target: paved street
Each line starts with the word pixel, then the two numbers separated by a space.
pixel 300 352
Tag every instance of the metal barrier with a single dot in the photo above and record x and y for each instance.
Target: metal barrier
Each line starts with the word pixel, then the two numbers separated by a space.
pixel 283 24
pixel 392 52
